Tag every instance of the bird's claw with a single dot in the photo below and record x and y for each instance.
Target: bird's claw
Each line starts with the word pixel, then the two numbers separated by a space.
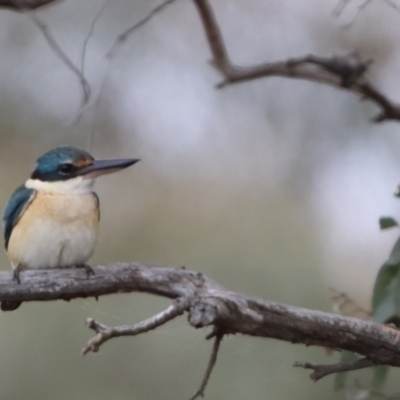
pixel 16 275
pixel 88 269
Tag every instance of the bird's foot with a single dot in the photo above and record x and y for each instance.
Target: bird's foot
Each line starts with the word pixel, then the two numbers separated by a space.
pixel 16 274
pixel 88 269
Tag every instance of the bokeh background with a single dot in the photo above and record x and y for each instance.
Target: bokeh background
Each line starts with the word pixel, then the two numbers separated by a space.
pixel 273 188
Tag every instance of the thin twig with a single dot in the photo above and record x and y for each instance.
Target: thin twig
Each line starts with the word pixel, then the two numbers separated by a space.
pixel 359 10
pixel 340 6
pixel 110 56
pixel 214 36
pixel 62 56
pixel 124 35
pixel 210 366
pixel 322 370
pixel 82 109
pixel 392 4
pixel 90 33
pixel 104 333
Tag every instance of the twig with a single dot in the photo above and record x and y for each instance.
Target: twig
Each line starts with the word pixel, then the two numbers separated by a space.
pixel 89 35
pixel 62 56
pixel 350 75
pixel 340 6
pixel 124 35
pixel 359 10
pixel 110 56
pixel 392 4
pixel 104 333
pixel 322 370
pixel 82 108
pixel 214 36
pixel 210 366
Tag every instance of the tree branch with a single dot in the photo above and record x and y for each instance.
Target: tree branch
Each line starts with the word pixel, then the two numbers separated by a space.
pixel 210 304
pixel 321 370
pixel 345 72
pixel 211 363
pixel 105 333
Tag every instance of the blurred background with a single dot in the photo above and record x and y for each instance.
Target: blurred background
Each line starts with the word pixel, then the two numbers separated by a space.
pixel 273 188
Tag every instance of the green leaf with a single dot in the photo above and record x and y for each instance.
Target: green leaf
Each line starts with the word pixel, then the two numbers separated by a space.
pixel 386 297
pixel 386 308
pixel 383 299
pixel 385 302
pixel 394 257
pixel 387 222
pixel 340 377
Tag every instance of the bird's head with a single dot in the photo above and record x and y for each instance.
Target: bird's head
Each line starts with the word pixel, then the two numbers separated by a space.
pixel 71 169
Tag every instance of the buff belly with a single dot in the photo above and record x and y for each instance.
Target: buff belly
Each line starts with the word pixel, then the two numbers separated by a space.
pixel 56 230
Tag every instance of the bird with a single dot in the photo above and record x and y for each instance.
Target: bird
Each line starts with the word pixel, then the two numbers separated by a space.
pixel 52 220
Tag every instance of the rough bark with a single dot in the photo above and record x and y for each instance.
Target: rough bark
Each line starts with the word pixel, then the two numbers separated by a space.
pixel 209 303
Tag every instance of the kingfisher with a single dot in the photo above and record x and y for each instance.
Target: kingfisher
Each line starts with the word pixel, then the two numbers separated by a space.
pixel 52 220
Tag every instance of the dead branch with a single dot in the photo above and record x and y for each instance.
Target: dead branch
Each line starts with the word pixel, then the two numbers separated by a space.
pixel 210 304
pixel 210 366
pixel 105 333
pixel 342 72
pixel 321 370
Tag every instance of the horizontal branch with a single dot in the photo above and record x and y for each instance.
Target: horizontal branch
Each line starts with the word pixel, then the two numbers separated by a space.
pixel 343 72
pixel 211 304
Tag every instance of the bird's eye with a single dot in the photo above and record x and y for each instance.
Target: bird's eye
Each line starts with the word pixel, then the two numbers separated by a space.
pixel 65 168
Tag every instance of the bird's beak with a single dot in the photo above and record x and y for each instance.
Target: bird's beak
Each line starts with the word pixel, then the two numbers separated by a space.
pixel 102 167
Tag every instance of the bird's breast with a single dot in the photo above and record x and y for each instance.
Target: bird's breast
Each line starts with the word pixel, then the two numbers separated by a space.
pixel 56 230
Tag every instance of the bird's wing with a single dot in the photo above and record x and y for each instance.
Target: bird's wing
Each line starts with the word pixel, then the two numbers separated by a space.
pixel 98 203
pixel 19 201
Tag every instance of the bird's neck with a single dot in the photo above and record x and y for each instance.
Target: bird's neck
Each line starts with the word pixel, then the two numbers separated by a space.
pixel 77 185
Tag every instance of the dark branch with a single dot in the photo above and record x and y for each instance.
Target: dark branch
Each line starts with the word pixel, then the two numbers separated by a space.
pixel 322 370
pixel 345 72
pixel 210 366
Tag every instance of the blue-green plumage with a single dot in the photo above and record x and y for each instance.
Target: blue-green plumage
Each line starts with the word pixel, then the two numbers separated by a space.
pixel 14 207
pixel 60 163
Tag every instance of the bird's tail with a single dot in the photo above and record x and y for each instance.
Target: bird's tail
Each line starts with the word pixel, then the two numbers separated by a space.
pixel 10 305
